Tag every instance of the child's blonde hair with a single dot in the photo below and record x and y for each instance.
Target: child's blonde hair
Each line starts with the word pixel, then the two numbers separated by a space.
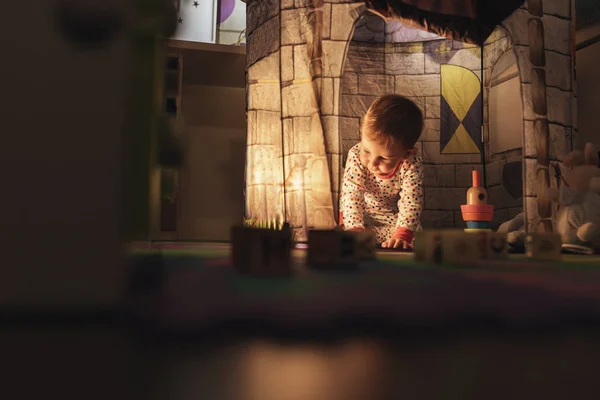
pixel 393 119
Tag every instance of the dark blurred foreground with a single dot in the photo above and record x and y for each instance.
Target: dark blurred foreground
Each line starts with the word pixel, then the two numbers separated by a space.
pixel 89 361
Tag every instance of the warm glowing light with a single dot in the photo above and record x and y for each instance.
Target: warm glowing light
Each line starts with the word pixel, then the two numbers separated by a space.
pixel 297 182
pixel 258 176
pixel 273 372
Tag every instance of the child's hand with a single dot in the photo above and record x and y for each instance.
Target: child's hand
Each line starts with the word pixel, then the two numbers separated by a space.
pixel 396 244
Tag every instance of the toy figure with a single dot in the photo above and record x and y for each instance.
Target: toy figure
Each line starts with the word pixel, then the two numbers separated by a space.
pixel 578 220
pixel 515 233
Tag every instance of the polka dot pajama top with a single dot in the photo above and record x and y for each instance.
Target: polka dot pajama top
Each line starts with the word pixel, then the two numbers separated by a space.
pixel 390 206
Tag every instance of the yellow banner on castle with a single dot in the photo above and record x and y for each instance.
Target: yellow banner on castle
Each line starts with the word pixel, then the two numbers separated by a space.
pixel 461 111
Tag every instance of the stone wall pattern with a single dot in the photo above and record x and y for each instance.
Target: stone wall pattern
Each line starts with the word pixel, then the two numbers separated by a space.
pixel 505 205
pixel 264 177
pixel 305 99
pixel 375 68
pixel 549 119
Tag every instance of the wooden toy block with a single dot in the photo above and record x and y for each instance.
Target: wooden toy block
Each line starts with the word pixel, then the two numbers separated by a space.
pixel 365 244
pixel 262 252
pixel 245 249
pixel 459 247
pixel 492 245
pixel 331 249
pixel 277 252
pixel 323 247
pixel 543 246
pixel 428 247
pixel 495 245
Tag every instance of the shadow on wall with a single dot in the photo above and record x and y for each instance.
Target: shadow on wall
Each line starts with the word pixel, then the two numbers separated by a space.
pixel 503 127
pixel 212 182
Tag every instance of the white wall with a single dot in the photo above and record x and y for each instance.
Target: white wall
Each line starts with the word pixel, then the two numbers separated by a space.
pixel 214 107
pixel 199 23
pixel 229 31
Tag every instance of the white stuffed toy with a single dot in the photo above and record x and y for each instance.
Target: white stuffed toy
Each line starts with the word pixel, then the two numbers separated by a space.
pixel 515 232
pixel 578 219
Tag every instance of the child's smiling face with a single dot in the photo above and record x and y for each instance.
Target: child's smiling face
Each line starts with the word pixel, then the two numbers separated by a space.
pixel 379 158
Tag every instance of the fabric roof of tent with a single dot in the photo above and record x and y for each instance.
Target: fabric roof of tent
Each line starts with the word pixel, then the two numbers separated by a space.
pixel 471 21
